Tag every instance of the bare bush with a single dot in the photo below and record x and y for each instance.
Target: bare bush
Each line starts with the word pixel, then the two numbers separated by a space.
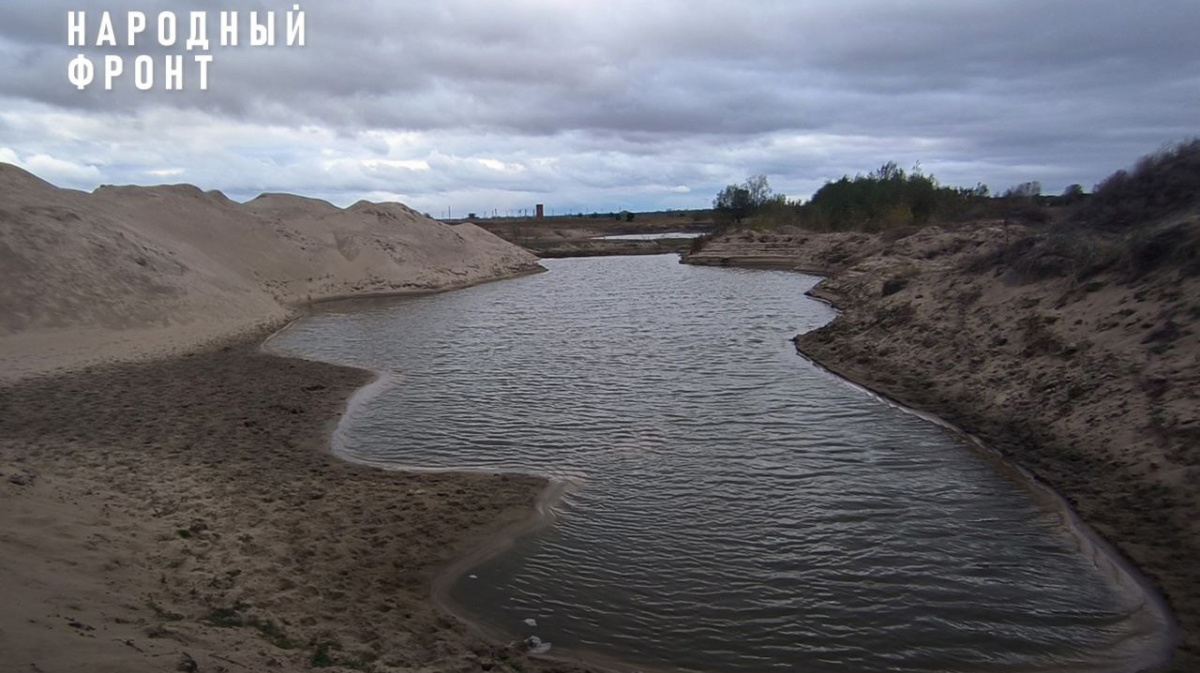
pixel 1161 184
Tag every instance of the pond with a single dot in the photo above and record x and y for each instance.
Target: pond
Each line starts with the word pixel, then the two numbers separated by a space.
pixel 730 506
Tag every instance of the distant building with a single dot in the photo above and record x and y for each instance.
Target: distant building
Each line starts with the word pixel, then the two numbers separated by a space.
pixel 541 211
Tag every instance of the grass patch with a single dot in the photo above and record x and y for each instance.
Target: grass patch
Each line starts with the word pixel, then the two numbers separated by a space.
pixel 271 632
pixel 232 617
pixel 365 663
pixel 328 653
pixel 320 657
pixel 164 614
pixel 227 618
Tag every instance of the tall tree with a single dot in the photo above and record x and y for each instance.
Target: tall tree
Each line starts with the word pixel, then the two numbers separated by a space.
pixel 734 202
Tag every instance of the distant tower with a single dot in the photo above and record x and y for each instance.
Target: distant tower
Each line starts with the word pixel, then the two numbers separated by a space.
pixel 541 211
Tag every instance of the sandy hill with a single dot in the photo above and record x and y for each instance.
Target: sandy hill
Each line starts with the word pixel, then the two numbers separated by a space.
pixel 128 271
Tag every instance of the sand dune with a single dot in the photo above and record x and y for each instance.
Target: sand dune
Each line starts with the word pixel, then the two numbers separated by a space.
pixel 125 272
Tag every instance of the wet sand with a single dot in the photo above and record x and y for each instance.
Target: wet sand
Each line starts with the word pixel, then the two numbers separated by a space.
pixel 157 513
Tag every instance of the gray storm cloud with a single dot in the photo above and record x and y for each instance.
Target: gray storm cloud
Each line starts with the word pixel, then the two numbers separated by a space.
pixel 601 105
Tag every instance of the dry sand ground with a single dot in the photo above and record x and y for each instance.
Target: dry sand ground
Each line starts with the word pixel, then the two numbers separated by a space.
pixel 163 511
pixel 1094 386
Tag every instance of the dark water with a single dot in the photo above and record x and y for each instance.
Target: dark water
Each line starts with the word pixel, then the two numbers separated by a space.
pixel 732 507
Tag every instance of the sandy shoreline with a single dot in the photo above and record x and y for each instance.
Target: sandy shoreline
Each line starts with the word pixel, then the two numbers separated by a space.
pixel 486 544
pixel 1074 384
pixel 1155 611
pixel 153 509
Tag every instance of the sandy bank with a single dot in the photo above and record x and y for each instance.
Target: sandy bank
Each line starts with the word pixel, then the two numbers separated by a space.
pixel 190 507
pixel 1088 387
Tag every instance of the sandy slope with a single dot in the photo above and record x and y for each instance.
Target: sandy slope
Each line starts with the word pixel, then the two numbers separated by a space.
pixel 1093 385
pixel 129 271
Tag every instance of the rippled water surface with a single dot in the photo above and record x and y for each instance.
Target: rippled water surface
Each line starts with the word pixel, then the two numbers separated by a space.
pixel 732 507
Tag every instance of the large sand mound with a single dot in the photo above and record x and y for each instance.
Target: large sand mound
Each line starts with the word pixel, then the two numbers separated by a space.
pixel 126 272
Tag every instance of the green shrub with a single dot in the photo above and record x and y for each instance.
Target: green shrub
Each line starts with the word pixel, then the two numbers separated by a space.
pixel 320 656
pixel 1080 254
pixel 886 199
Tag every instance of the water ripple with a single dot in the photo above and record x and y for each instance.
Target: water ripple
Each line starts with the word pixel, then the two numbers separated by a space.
pixel 739 509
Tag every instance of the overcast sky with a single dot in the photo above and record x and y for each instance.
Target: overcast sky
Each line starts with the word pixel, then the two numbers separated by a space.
pixel 604 105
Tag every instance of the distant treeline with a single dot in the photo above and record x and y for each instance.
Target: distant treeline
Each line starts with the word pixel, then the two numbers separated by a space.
pixel 891 198
pixel 884 199
pixel 1134 223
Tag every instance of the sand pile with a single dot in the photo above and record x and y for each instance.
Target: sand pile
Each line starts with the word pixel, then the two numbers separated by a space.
pixel 125 272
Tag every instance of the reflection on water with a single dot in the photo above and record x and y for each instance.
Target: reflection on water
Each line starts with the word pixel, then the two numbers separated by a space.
pixel 734 509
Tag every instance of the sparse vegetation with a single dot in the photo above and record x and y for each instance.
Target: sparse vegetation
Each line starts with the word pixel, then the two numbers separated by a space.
pixel 1025 190
pixel 232 617
pixel 271 632
pixel 327 654
pixel 1159 185
pixel 1071 195
pixel 320 656
pixel 229 617
pixel 736 203
pixel 162 613
pixel 1123 229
